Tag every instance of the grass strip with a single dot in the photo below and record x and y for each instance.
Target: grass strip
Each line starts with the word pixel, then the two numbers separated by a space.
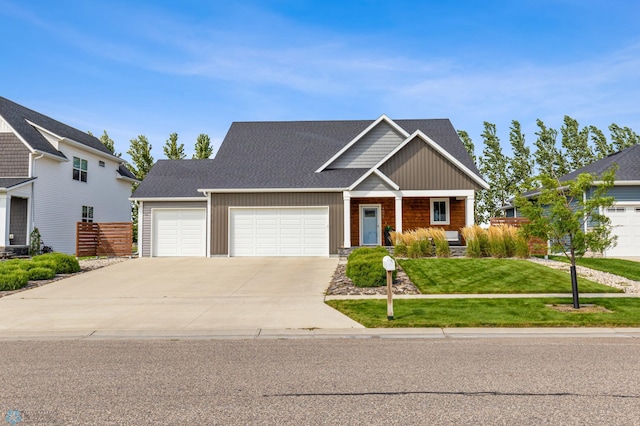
pixel 492 276
pixel 372 313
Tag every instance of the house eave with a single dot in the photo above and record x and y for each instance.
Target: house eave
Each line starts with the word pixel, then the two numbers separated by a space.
pixel 253 190
pixel 151 199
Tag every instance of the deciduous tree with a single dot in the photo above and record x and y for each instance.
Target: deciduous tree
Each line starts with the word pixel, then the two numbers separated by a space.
pixel 203 147
pixel 569 219
pixel 172 150
pixel 548 157
pixel 493 166
pixel 575 142
pixel 521 164
pixel 623 137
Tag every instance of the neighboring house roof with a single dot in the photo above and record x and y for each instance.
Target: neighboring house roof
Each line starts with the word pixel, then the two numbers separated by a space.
pixel 628 161
pixel 126 173
pixel 22 121
pixel 284 155
pixel 8 183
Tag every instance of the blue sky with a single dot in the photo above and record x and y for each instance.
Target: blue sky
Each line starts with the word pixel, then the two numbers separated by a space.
pixel 157 67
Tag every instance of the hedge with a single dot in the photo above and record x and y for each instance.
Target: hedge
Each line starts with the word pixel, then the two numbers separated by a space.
pixel 364 267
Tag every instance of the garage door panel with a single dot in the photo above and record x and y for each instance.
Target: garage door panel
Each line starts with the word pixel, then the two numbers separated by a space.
pixel 179 232
pixel 280 232
pixel 625 221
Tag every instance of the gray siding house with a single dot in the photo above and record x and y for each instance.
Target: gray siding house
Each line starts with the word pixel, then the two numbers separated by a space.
pixel 308 188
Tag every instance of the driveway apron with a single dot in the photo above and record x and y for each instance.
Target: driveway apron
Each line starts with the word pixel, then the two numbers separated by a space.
pixel 182 294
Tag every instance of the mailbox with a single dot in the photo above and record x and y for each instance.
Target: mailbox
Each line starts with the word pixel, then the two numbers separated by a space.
pixel 388 263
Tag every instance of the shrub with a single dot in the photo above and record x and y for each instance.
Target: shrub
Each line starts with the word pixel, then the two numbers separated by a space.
pixel 365 269
pixel 472 236
pixel 41 273
pixel 509 236
pixel 13 280
pixel 64 263
pixel 401 250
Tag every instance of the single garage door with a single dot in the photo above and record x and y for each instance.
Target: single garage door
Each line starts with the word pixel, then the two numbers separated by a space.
pixel 279 231
pixel 179 232
pixel 626 225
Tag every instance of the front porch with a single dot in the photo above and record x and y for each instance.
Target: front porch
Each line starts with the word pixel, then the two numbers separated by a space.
pixel 367 217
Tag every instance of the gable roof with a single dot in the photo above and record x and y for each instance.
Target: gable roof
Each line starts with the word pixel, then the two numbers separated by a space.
pixel 20 119
pixel 285 156
pixel 628 161
pixel 7 183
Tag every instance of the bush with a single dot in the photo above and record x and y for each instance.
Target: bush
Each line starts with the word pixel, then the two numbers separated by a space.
pixel 364 267
pixel 41 273
pixel 64 263
pixel 522 246
pixel 13 280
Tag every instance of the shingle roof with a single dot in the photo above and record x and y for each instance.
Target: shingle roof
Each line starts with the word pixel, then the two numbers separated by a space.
pixel 628 161
pixel 282 155
pixel 17 116
pixel 6 183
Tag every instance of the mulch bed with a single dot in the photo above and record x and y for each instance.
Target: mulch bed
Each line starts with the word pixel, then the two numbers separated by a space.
pixel 584 309
pixel 342 285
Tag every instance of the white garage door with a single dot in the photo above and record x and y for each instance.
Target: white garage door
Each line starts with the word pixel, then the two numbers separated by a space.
pixel 626 225
pixel 179 232
pixel 279 232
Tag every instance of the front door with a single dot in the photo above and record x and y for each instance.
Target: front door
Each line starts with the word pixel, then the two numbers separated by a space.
pixel 370 225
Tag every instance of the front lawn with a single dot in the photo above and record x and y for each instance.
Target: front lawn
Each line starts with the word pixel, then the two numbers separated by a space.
pixel 489 313
pixel 624 268
pixel 490 276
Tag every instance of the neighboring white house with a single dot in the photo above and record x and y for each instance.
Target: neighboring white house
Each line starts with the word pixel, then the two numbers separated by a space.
pixel 52 176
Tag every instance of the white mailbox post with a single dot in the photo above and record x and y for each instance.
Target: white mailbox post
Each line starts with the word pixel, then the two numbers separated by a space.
pixel 389 265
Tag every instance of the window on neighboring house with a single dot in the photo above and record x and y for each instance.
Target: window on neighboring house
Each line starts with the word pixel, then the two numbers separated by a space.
pixel 440 211
pixel 101 163
pixel 87 214
pixel 79 169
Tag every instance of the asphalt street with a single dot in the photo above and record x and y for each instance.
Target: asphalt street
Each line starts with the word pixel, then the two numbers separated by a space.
pixel 570 380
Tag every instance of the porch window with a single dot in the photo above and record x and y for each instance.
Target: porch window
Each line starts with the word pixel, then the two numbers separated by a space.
pixel 79 169
pixel 439 211
pixel 87 214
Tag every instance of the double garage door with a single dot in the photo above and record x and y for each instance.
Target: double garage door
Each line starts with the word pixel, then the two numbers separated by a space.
pixel 252 232
pixel 279 231
pixel 626 225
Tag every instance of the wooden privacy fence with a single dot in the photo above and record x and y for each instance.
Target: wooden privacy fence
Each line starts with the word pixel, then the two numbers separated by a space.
pixel 536 245
pixel 104 239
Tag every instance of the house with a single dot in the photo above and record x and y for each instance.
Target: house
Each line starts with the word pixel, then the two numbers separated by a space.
pixel 625 212
pixel 308 188
pixel 52 176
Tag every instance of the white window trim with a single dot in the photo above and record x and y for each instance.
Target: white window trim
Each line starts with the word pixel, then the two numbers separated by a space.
pixel 379 224
pixel 447 208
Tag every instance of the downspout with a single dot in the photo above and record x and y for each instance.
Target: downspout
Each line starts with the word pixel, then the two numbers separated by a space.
pixel 32 174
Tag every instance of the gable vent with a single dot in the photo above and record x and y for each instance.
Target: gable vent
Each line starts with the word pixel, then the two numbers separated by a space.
pixel 4 127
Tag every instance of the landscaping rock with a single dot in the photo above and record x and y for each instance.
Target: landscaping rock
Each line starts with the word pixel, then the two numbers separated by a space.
pixel 342 285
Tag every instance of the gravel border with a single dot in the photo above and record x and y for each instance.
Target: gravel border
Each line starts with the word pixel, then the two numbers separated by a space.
pixel 342 285
pixel 606 278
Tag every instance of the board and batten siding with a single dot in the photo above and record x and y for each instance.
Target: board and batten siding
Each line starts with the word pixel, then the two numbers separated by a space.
pixel 220 204
pixel 417 166
pixel 370 149
pixel 14 156
pixel 147 206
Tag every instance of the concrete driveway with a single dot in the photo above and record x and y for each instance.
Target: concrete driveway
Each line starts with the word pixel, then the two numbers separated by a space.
pixel 179 294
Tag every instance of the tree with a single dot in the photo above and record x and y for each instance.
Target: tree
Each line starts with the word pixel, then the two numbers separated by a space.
pixel 203 147
pixel 468 144
pixel 493 166
pixel 140 153
pixel 470 147
pixel 603 148
pixel 576 144
pixel 571 221
pixel 108 142
pixel 623 137
pixel 172 150
pixel 521 164
pixel 549 159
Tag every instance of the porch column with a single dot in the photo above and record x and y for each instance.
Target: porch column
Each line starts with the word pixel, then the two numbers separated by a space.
pixel 469 209
pixel 347 220
pixel 4 221
pixel 399 213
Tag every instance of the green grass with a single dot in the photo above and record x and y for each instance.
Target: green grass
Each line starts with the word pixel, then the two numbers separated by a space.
pixel 491 276
pixel 624 268
pixel 489 313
